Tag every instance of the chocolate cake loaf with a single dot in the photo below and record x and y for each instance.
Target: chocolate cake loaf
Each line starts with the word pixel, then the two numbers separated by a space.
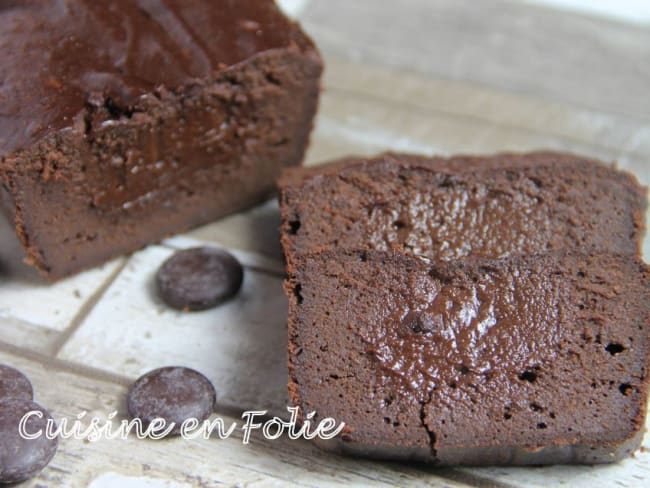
pixel 523 360
pixel 122 122
pixel 463 206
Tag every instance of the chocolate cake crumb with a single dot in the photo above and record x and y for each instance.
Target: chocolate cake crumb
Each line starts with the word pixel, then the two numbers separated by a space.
pixel 109 141
pixel 504 375
pixel 459 207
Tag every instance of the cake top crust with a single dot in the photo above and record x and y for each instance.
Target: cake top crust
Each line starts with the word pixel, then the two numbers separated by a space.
pixel 464 206
pixel 62 55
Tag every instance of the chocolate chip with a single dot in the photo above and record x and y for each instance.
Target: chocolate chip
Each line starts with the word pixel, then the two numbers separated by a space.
pixel 22 458
pixel 199 278
pixel 14 384
pixel 173 394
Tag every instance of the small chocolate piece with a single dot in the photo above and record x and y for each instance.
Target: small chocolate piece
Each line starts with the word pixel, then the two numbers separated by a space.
pixel 199 278
pixel 22 458
pixel 14 384
pixel 173 394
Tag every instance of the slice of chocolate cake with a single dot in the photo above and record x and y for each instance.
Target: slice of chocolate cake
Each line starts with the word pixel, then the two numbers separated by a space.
pixel 122 122
pixel 463 206
pixel 522 360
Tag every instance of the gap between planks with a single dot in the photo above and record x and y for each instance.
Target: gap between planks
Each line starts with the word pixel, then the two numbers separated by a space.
pixel 60 342
pixel 85 310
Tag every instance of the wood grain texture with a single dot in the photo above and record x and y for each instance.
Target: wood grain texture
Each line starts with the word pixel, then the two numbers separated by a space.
pixel 204 463
pixel 506 44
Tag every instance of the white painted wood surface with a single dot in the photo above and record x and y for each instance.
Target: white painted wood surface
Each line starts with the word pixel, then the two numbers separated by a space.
pixel 429 76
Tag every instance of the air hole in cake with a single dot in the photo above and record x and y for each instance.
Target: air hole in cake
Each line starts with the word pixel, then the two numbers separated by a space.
pixel 446 183
pixel 541 425
pixel 507 416
pixel 297 292
pixel 529 376
pixel 625 389
pixel 488 270
pixel 271 78
pixel 363 256
pixel 115 110
pixel 536 407
pixel 387 420
pixel 417 323
pixel 581 274
pixel 614 348
pixel 294 227
pixel 399 224
pixel 437 275
pixel 452 384
pixel 462 369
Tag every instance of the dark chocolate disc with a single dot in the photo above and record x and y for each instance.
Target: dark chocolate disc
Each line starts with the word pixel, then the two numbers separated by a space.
pixel 14 384
pixel 173 394
pixel 22 458
pixel 199 278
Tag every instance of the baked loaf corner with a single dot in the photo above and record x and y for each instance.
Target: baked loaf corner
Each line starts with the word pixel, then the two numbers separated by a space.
pixel 120 128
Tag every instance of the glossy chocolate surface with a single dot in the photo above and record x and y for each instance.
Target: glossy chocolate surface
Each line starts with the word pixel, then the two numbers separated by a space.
pixel 523 360
pixel 126 121
pixel 60 56
pixel 446 328
pixel 447 209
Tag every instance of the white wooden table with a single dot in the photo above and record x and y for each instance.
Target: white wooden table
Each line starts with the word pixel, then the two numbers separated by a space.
pixel 429 76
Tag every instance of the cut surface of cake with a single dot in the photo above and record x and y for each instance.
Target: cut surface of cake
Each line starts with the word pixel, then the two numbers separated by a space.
pixel 537 359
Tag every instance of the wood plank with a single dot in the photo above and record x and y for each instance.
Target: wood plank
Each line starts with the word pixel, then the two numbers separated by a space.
pixel 611 133
pixel 33 311
pixel 506 44
pixel 240 346
pixel 178 462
